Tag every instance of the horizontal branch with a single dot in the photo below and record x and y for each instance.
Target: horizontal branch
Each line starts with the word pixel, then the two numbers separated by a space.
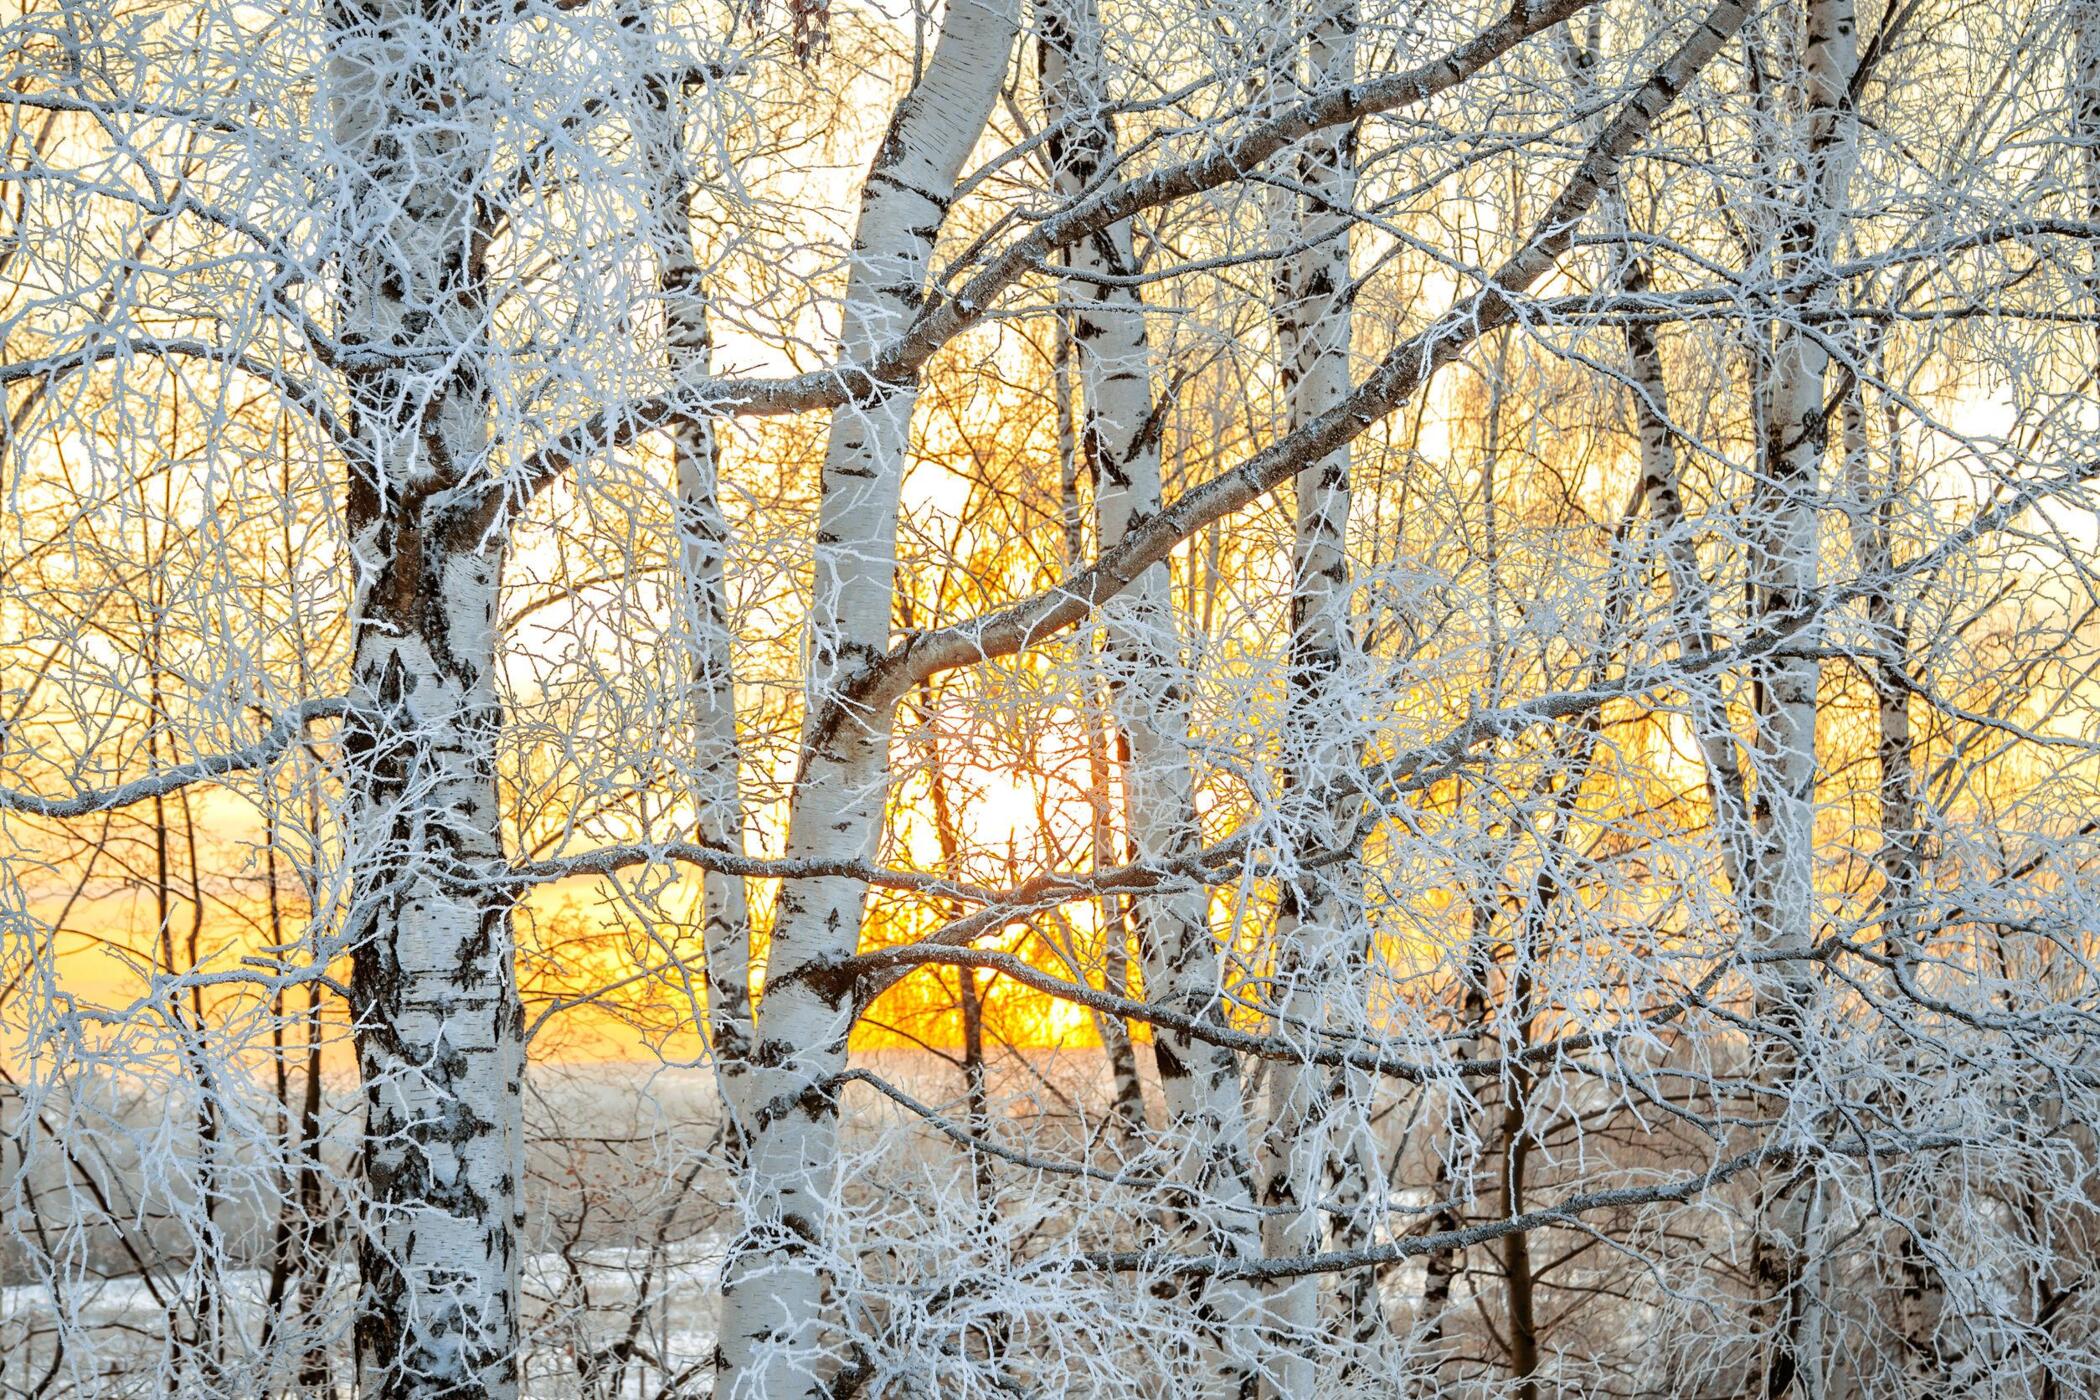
pixel 1142 1177
pixel 1333 1052
pixel 718 860
pixel 119 106
pixel 1564 1212
pixel 297 392
pixel 283 732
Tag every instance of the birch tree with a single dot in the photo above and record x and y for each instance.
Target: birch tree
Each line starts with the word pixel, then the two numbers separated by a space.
pixel 663 658
pixel 1120 443
pixel 772 1319
pixel 1318 942
pixel 433 991
pixel 1784 553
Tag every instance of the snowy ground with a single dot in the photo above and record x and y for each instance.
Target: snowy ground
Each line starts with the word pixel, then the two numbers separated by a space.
pixel 609 1168
pixel 118 1324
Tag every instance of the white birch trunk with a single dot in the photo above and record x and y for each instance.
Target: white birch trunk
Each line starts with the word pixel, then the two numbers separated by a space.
pixel 1199 1082
pixel 1783 548
pixel 1691 596
pixel 2085 123
pixel 1319 910
pixel 708 682
pixel 773 1341
pixel 1127 1108
pixel 1921 1299
pixel 440 1037
pixel 1474 1039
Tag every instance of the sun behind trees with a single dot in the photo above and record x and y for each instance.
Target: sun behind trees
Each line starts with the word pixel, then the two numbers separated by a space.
pixel 1317 699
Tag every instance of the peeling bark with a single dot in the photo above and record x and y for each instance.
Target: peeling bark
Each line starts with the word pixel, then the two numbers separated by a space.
pixel 1127 1106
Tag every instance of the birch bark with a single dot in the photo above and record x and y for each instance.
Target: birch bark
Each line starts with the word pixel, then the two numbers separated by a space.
pixel 773 1341
pixel 1782 548
pixel 708 681
pixel 1691 596
pixel 1870 514
pixel 1128 1105
pixel 1120 442
pixel 439 1031
pixel 1319 948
